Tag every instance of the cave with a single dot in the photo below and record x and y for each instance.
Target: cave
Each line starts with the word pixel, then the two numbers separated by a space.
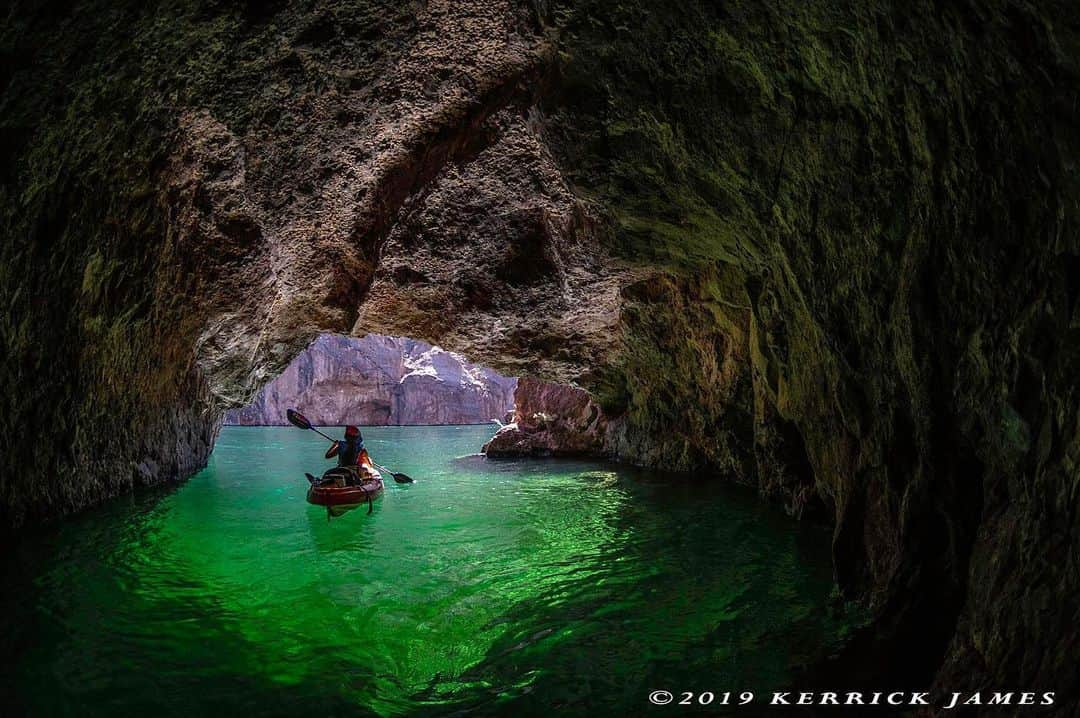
pixel 814 264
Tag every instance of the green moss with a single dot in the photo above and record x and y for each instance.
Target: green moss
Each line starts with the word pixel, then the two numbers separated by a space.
pixel 740 67
pixel 846 193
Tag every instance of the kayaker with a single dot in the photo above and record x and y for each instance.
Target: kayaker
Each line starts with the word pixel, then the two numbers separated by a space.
pixel 351 451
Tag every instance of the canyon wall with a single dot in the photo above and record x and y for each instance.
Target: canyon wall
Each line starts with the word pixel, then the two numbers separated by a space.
pixel 380 381
pixel 825 249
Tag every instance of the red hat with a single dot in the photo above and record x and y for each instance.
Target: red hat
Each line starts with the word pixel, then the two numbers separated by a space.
pixel 351 431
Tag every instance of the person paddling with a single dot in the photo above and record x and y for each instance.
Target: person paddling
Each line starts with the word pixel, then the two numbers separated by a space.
pixel 300 421
pixel 351 451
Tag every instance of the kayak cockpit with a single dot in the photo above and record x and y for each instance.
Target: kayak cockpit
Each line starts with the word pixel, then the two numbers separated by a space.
pixel 345 487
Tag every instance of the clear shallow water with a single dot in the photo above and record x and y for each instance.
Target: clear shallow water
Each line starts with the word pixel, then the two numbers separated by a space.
pixel 487 588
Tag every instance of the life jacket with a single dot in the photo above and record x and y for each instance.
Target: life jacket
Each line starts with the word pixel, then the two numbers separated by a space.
pixel 349 452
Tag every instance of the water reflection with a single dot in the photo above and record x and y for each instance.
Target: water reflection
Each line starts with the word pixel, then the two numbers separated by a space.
pixel 486 587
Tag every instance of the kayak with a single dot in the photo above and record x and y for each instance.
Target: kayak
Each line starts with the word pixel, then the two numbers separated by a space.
pixel 337 488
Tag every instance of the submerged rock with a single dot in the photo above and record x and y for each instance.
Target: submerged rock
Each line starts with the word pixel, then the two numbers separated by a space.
pixel 378 380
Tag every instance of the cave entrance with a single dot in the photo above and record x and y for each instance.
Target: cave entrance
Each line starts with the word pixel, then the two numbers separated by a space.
pixel 379 380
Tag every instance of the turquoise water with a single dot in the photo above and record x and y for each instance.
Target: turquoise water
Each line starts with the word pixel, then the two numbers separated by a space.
pixel 486 588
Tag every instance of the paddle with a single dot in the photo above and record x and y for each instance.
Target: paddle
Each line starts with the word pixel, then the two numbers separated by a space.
pixel 398 477
pixel 301 422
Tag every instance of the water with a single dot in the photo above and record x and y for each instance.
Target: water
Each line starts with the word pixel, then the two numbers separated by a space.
pixel 486 588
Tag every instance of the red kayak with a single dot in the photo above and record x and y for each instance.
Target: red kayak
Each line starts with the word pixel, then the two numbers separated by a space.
pixel 342 487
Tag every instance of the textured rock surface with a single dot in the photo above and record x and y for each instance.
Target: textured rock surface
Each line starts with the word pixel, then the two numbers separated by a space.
pixel 376 381
pixel 551 420
pixel 826 249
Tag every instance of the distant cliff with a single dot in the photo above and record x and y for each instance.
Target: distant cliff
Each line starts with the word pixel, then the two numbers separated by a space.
pixel 380 380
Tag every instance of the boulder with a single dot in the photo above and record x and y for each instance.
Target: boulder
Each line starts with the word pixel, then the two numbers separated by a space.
pixel 550 420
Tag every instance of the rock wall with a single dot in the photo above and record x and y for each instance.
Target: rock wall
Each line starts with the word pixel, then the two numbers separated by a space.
pixel 376 381
pixel 865 238
pixel 825 249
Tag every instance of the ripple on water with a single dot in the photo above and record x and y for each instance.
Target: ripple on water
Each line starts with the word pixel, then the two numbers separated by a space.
pixel 487 587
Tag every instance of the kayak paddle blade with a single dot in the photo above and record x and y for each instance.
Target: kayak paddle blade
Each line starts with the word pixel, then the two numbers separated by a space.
pixel 403 478
pixel 297 419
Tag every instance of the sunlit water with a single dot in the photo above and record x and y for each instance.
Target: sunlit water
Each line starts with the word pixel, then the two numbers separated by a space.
pixel 486 588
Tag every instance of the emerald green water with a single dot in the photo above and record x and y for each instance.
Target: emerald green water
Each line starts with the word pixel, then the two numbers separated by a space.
pixel 486 588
